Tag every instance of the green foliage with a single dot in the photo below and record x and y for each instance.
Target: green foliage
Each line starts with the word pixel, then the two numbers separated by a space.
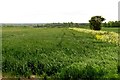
pixel 48 51
pixel 67 24
pixel 111 24
pixel 81 71
pixel 95 22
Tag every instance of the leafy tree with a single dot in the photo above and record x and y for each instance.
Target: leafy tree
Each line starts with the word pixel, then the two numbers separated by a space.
pixel 95 22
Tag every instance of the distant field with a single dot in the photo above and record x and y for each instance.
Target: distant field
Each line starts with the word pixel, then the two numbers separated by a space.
pixel 111 29
pixel 57 53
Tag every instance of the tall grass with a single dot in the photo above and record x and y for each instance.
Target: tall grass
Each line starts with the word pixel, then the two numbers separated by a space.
pixel 50 51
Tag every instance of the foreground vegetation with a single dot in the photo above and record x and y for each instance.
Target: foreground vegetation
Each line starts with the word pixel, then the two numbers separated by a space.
pixel 57 53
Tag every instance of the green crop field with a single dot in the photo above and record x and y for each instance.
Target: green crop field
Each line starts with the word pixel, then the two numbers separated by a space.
pixel 56 53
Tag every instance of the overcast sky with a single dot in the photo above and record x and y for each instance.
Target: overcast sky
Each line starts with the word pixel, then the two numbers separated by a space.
pixel 48 11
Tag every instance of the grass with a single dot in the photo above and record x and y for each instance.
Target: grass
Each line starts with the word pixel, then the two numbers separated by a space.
pixel 111 29
pixel 52 51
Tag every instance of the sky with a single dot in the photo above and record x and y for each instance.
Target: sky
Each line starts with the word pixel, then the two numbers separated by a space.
pixel 49 11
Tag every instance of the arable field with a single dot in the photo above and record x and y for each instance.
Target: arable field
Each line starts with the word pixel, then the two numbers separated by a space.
pixel 57 53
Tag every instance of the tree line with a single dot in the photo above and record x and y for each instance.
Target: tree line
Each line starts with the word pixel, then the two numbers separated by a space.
pixel 40 25
pixel 66 24
pixel 95 23
pixel 111 24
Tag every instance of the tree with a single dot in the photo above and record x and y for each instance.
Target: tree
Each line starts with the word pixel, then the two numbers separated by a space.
pixel 95 22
